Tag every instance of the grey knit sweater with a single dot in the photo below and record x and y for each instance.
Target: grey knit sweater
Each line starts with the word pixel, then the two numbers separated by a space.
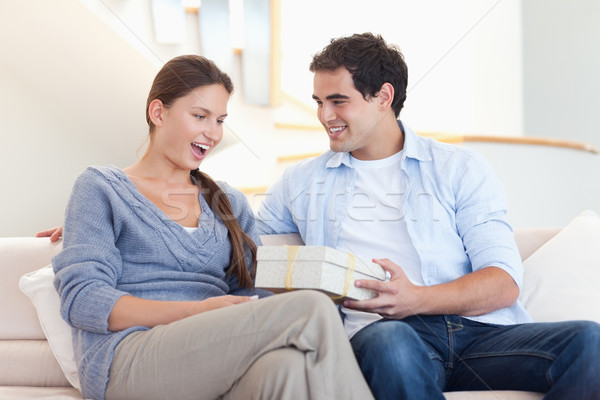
pixel 117 242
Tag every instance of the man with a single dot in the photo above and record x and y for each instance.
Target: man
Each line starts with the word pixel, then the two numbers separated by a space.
pixel 433 216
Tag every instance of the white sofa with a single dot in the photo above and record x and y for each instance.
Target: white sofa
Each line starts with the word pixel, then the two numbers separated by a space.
pixel 562 281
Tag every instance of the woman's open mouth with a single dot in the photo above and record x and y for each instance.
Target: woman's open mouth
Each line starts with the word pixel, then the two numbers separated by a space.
pixel 199 150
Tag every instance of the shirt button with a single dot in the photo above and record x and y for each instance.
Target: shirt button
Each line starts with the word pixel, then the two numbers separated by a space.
pixel 337 223
pixel 348 189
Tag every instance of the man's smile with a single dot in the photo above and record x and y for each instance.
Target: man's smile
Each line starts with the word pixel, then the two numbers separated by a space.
pixel 335 132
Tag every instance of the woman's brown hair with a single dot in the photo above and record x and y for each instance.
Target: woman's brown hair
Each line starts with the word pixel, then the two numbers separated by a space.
pixel 176 79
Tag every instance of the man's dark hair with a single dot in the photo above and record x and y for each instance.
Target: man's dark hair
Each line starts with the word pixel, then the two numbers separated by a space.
pixel 371 61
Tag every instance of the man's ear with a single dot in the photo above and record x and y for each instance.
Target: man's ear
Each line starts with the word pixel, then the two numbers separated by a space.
pixel 385 96
pixel 155 112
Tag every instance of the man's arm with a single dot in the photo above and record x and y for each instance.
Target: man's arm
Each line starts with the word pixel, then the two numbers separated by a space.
pixel 476 293
pixel 274 216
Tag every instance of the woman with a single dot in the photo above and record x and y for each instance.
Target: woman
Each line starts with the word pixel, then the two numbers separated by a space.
pixel 156 272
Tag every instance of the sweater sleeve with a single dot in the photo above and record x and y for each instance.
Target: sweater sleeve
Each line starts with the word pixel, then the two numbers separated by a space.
pixel 89 266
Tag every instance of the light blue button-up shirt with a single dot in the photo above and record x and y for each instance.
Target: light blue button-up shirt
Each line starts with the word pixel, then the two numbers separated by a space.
pixel 453 204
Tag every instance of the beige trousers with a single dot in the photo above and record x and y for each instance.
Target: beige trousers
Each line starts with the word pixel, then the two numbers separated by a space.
pixel 287 346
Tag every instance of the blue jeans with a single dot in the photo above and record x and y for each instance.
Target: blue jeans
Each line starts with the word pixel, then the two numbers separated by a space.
pixel 422 356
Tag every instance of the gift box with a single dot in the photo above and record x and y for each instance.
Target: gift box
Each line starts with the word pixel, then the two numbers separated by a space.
pixel 282 268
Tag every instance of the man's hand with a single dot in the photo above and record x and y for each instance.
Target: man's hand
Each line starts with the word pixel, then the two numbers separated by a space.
pixel 476 293
pixel 397 299
pixel 53 233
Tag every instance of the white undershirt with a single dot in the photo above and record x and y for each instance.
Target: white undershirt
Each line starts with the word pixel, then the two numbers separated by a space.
pixel 190 229
pixel 375 226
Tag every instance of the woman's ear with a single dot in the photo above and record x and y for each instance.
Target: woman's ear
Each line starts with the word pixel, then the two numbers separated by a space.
pixel 385 96
pixel 155 112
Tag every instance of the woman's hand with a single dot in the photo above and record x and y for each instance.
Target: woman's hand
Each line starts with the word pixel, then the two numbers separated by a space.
pixel 217 302
pixel 53 233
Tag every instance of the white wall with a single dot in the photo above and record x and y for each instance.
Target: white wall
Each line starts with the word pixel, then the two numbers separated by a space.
pixel 464 57
pixel 561 53
pixel 73 94
pixel 74 77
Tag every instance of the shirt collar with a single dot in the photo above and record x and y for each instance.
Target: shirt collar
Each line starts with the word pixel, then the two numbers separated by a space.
pixel 413 144
pixel 413 148
pixel 338 159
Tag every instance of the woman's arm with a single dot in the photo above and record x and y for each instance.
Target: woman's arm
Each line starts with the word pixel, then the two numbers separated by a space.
pixel 131 311
pixel 89 266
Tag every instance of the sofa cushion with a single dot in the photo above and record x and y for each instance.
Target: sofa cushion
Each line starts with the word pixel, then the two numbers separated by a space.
pixel 29 363
pixel 20 256
pixel 38 285
pixel 562 278
pixel 48 393
pixel 530 239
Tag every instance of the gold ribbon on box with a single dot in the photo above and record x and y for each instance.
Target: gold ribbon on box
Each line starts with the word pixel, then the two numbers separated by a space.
pixel 291 259
pixel 349 273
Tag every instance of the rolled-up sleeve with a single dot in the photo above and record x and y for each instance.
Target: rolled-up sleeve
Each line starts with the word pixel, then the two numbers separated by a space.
pixel 481 219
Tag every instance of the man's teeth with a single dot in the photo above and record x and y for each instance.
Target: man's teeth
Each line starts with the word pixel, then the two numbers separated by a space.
pixel 339 128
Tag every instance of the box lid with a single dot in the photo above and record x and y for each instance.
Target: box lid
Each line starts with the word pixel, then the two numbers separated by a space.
pixel 321 253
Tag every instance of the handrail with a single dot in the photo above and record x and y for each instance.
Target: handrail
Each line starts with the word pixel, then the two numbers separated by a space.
pixel 247 190
pixel 298 126
pixel 456 138
pixel 253 190
pixel 297 157
pixel 531 140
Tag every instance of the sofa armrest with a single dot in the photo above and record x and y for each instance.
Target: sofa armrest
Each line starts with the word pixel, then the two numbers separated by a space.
pixel 19 256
